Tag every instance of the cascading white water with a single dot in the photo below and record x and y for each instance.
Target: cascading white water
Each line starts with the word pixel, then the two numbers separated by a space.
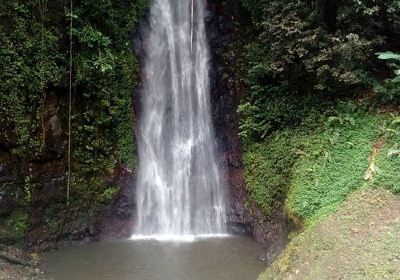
pixel 179 187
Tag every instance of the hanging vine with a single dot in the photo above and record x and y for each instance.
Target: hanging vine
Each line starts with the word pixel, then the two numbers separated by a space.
pixel 70 102
pixel 43 9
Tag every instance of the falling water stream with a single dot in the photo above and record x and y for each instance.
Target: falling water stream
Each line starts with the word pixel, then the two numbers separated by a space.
pixel 179 188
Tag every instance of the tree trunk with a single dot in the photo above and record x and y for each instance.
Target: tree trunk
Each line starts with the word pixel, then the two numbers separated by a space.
pixel 328 10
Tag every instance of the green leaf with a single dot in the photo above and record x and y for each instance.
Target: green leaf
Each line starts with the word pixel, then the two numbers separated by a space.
pixel 350 120
pixel 396 80
pixel 388 55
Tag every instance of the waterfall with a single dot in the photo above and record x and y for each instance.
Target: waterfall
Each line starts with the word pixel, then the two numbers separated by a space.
pixel 179 187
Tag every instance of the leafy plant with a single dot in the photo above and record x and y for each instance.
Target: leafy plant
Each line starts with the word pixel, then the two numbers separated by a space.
pixel 389 92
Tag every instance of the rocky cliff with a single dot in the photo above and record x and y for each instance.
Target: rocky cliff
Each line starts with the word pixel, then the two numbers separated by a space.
pixel 33 206
pixel 226 28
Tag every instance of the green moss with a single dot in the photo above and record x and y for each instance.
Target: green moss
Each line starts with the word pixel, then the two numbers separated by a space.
pixel 333 164
pixel 268 168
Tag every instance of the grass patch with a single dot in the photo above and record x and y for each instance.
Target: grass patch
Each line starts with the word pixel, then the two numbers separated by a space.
pixel 388 159
pixel 332 164
pixel 360 241
pixel 388 171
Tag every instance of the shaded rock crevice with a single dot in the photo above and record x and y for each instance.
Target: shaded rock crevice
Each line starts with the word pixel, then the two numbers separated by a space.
pixel 226 27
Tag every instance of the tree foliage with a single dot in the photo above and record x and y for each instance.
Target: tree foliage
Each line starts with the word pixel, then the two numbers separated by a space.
pixel 303 54
pixel 389 91
pixel 34 57
pixel 31 63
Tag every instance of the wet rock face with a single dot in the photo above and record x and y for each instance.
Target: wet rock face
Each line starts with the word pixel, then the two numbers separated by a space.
pixel 225 97
pixel 226 91
pixel 8 189
pixel 114 219
pixel 48 220
pixel 44 174
pixel 55 140
pixel 11 181
pixel 117 221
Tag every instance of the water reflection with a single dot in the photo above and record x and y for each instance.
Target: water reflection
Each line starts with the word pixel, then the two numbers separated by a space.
pixel 233 258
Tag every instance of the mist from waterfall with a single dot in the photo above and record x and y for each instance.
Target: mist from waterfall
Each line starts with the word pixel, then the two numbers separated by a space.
pixel 179 188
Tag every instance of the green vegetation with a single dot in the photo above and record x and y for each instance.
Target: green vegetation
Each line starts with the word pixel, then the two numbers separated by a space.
pixel 34 58
pixel 310 117
pixel 34 93
pixel 105 76
pixel 268 167
pixel 14 227
pixel 388 159
pixel 389 92
pixel 332 164
pixel 316 165
pixel 30 62
pixel 305 54
pixel 349 229
pixel 319 122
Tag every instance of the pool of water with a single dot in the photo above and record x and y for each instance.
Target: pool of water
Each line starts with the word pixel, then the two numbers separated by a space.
pixel 233 258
